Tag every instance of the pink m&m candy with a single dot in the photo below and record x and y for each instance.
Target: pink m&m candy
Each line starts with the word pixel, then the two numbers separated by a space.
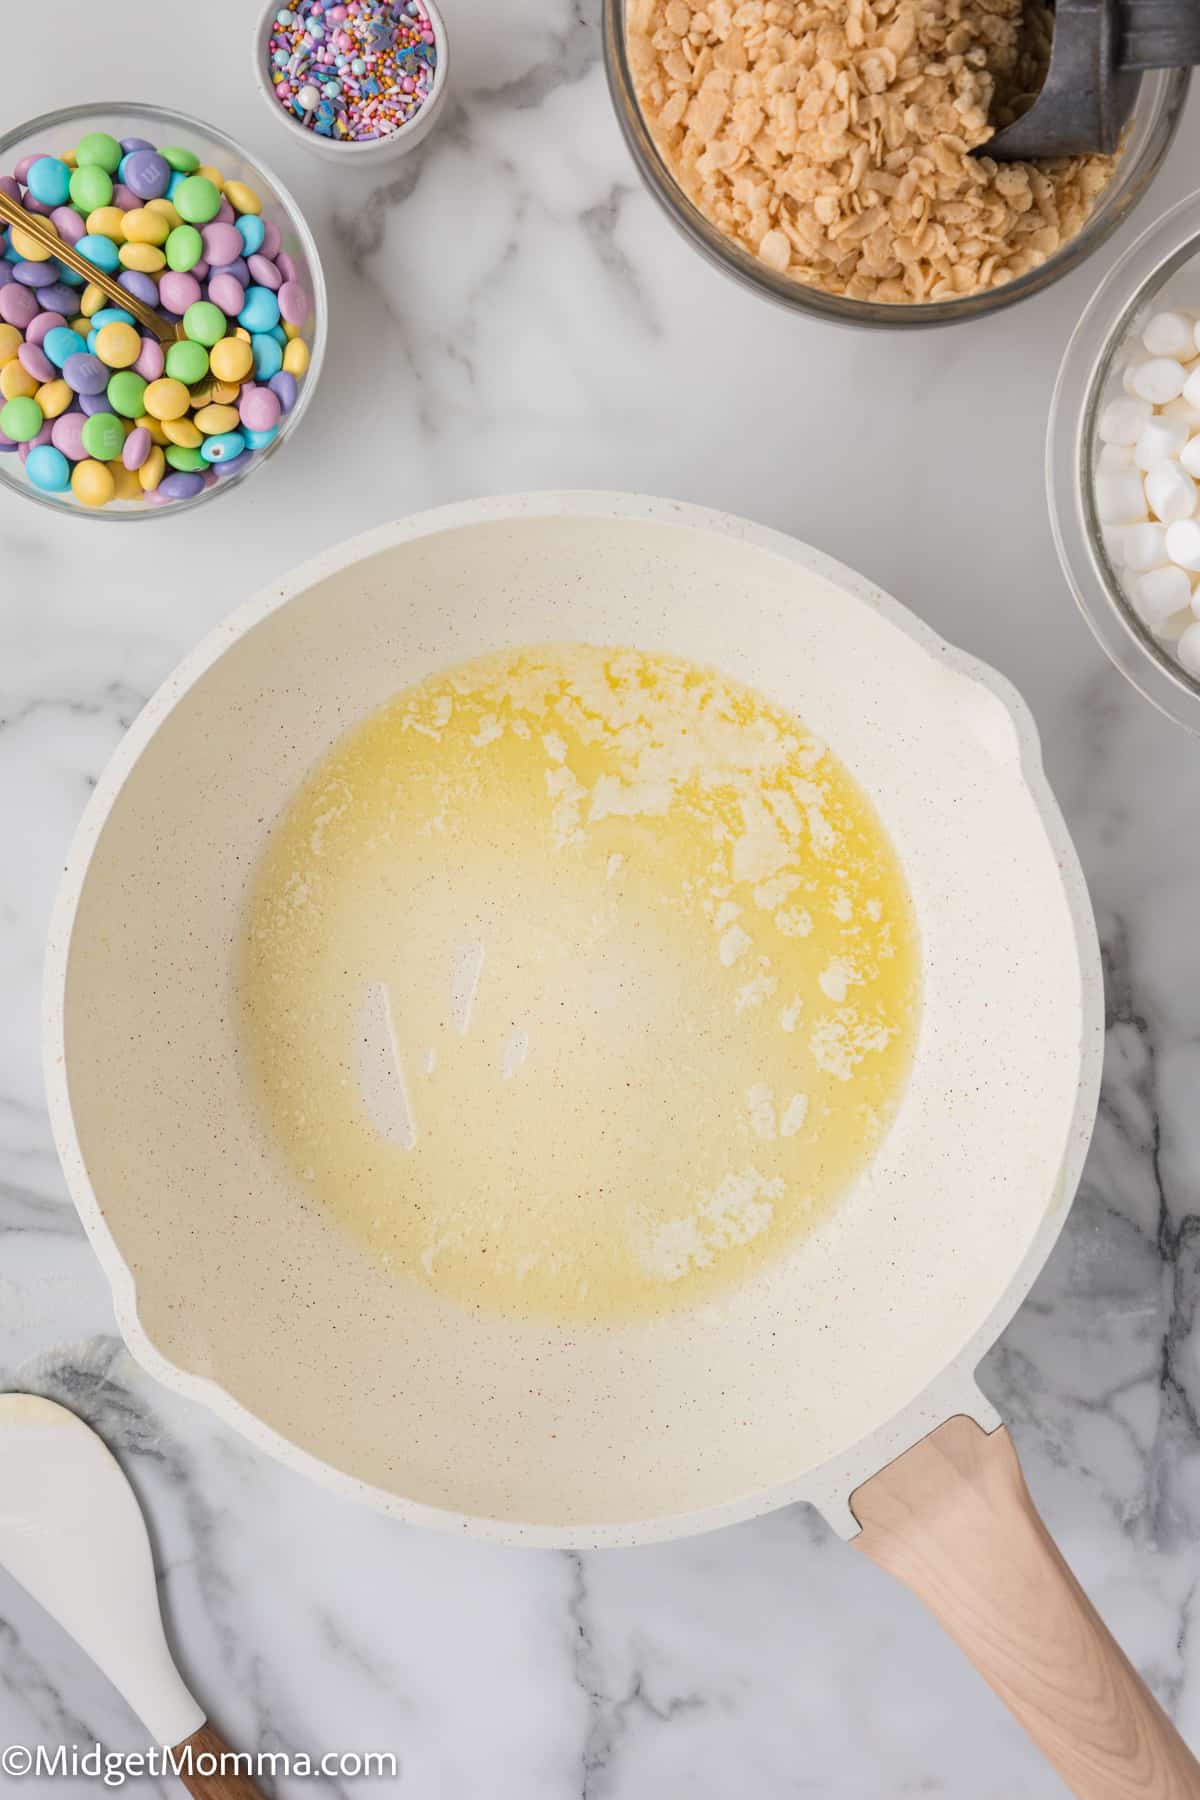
pixel 178 292
pixel 66 434
pixel 259 408
pixel 222 244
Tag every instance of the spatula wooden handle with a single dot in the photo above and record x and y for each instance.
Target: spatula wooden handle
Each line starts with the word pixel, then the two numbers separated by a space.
pixel 952 1518
pixel 209 1742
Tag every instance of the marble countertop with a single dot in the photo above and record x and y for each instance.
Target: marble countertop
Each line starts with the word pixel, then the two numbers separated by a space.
pixel 511 311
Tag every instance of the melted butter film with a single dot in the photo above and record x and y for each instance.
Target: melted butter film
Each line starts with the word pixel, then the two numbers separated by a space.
pixel 579 982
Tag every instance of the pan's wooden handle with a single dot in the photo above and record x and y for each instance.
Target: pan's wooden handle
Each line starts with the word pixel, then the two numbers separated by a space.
pixel 952 1518
pixel 209 1742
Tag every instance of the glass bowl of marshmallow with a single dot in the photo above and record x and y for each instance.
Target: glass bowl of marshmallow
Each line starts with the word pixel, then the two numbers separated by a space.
pixel 1123 463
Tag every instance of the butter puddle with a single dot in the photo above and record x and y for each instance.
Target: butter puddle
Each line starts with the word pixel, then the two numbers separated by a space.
pixel 579 982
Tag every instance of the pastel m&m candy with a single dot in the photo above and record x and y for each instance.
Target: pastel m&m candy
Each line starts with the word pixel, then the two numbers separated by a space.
pixel 96 409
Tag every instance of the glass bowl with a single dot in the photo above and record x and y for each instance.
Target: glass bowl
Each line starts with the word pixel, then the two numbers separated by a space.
pixel 55 132
pixel 1160 270
pixel 1156 116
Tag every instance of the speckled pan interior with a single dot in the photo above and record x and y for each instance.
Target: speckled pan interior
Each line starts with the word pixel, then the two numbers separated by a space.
pixel 232 1287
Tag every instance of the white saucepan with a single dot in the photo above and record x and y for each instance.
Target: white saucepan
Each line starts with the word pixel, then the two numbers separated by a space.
pixel 843 1374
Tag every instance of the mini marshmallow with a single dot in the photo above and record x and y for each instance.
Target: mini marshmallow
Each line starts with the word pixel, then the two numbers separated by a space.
pixel 1123 421
pixel 1191 389
pixel 1172 629
pixel 1114 456
pixel 1183 544
pixel 1182 409
pixel 1161 593
pixel 1189 456
pixel 1159 380
pixel 1144 547
pixel 1161 440
pixel 1170 491
pixel 1171 334
pixel 1121 498
pixel 1188 649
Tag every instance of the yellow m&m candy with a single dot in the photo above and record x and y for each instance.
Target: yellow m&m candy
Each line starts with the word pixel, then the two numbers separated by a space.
pixel 142 226
pixel 152 470
pixel 166 399
pixel 184 433
pixel 147 259
pixel 54 397
pixel 243 199
pixel 16 383
pixel 92 482
pixel 231 359
pixel 118 345
pixel 126 485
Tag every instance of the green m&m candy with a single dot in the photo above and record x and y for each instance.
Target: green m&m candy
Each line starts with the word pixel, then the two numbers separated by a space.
pixel 91 186
pixel 203 322
pixel 196 200
pixel 187 360
pixel 126 393
pixel 181 160
pixel 21 419
pixel 98 150
pixel 183 249
pixel 189 461
pixel 103 436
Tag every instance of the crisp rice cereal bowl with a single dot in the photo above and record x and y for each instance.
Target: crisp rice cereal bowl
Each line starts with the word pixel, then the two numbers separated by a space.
pixel 1156 117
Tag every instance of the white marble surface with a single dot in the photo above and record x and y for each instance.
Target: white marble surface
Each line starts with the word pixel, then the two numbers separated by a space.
pixel 511 311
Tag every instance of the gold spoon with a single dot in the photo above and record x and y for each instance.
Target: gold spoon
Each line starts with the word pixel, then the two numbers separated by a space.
pixel 36 226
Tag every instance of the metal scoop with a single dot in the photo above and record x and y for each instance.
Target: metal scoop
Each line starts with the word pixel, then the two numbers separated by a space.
pixel 1099 52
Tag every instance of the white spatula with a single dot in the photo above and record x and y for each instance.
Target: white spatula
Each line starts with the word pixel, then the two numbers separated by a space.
pixel 72 1534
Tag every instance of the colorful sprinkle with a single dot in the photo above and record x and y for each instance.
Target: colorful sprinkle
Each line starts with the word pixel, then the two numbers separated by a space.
pixel 356 71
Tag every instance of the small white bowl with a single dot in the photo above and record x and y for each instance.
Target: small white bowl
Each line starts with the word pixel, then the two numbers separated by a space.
pixel 368 153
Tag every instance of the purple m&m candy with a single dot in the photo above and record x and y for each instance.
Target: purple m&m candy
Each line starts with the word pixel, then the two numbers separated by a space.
pixel 95 403
pixel 8 445
pixel 58 297
pixel 147 173
pixel 130 144
pixel 83 373
pixel 284 387
pixel 142 287
pixel 180 485
pixel 11 188
pixel 34 274
pixel 6 274
pixel 18 305
pixel 66 434
pixel 238 268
